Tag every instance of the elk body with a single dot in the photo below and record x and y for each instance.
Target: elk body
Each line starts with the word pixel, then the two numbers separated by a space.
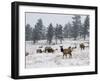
pixel 49 50
pixel 39 51
pixel 66 52
pixel 82 46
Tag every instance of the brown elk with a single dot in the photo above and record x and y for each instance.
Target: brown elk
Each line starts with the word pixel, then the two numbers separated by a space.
pixel 82 46
pixel 66 52
pixel 39 51
pixel 49 50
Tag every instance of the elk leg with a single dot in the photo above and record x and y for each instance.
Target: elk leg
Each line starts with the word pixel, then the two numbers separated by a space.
pixel 83 48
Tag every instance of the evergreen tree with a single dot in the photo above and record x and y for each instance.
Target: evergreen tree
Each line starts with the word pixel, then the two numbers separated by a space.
pixel 39 28
pixel 81 31
pixel 86 27
pixel 43 33
pixel 60 33
pixel 28 32
pixel 76 26
pixel 56 33
pixel 35 34
pixel 67 30
pixel 50 33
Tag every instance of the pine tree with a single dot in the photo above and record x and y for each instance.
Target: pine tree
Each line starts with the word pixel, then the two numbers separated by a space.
pixel 67 30
pixel 39 28
pixel 81 30
pixel 76 26
pixel 35 34
pixel 28 32
pixel 43 33
pixel 86 27
pixel 50 33
pixel 60 33
pixel 56 33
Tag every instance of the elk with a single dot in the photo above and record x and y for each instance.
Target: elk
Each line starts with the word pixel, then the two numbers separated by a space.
pixel 39 51
pixel 66 52
pixel 49 50
pixel 82 46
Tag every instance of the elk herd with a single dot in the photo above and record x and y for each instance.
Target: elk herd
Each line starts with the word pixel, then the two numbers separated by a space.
pixel 65 51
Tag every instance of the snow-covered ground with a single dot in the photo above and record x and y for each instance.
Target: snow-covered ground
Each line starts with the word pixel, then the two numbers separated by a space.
pixel 44 60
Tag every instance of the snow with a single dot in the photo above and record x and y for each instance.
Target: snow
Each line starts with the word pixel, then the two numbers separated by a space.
pixel 50 60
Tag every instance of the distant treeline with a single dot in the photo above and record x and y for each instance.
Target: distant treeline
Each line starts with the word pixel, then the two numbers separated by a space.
pixel 70 30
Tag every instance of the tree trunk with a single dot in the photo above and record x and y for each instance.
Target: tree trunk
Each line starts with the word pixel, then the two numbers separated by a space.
pixel 34 41
pixel 49 41
pixel 75 38
pixel 84 37
pixel 61 41
pixel 56 40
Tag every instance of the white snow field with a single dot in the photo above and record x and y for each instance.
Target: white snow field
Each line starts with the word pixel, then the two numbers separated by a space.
pixel 48 60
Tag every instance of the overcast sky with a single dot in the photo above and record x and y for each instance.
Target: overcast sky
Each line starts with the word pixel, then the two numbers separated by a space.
pixel 31 18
